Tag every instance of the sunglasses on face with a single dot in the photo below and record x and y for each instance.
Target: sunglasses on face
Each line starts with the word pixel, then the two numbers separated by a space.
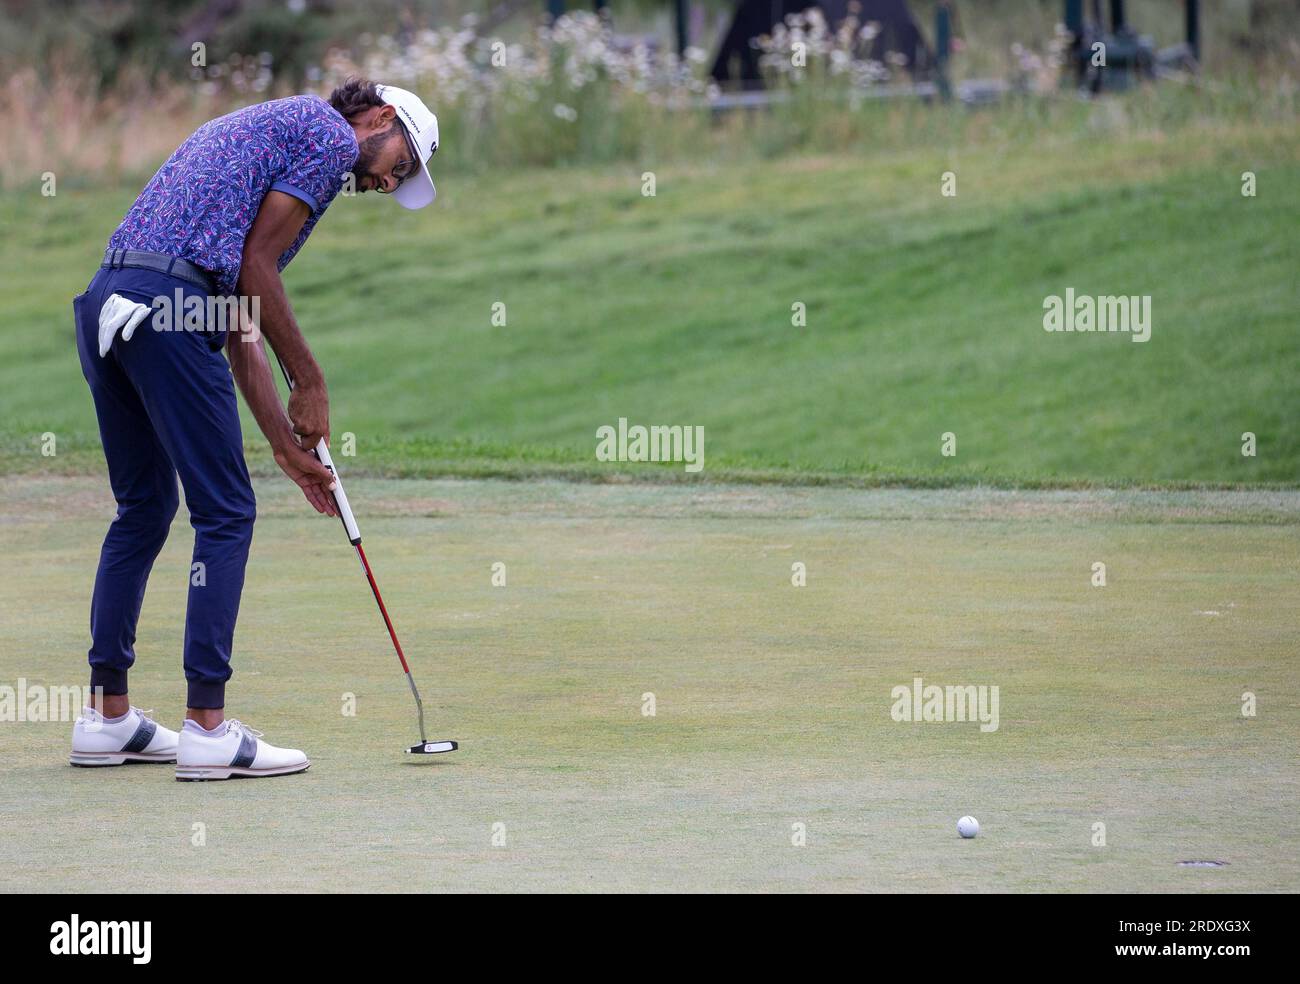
pixel 402 169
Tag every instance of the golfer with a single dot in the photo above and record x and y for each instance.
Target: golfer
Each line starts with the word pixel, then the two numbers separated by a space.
pixel 223 216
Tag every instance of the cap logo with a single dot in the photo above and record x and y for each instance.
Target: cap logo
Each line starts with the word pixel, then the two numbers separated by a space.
pixel 406 113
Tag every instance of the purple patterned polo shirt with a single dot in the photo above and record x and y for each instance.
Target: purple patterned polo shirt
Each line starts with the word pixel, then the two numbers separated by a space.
pixel 202 202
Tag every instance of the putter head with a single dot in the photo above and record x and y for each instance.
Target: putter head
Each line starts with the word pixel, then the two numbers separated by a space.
pixel 432 747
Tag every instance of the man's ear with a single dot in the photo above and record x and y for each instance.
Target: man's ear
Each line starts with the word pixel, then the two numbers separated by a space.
pixel 376 119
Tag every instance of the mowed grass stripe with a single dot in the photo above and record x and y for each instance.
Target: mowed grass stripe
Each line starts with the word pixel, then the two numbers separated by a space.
pixel 924 315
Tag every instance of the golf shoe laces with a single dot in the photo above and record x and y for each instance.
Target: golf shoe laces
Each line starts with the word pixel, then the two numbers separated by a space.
pixel 241 726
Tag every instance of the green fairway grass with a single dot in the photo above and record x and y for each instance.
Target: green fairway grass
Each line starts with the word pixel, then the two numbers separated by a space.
pixel 924 315
pixel 1119 705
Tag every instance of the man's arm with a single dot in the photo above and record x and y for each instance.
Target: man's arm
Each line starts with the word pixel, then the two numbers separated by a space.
pixel 252 372
pixel 277 225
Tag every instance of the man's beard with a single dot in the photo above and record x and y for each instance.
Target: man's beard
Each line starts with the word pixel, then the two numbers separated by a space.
pixel 368 152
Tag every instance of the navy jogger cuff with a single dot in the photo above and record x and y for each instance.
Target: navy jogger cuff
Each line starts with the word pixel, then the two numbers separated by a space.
pixel 206 696
pixel 112 683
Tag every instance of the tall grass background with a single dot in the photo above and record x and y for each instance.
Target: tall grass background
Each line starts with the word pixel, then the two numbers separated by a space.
pixel 591 91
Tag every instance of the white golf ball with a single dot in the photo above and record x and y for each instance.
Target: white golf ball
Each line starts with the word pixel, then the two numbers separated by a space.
pixel 968 827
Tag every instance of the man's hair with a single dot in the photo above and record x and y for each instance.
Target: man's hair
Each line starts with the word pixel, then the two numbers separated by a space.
pixel 355 96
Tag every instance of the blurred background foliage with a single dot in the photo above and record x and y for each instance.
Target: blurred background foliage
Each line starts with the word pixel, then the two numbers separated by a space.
pixel 106 37
pixel 102 90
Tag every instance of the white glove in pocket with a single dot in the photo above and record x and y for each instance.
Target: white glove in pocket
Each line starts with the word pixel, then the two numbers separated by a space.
pixel 119 313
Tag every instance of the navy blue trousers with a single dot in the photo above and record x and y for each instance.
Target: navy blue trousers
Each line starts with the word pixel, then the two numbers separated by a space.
pixel 166 406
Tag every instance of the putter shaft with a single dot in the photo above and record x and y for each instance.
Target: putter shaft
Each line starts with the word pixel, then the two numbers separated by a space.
pixel 392 634
pixel 354 537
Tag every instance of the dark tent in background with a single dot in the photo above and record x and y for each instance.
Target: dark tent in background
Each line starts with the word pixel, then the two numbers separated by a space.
pixel 898 32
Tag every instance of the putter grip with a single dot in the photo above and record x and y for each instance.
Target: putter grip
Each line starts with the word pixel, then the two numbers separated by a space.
pixel 340 497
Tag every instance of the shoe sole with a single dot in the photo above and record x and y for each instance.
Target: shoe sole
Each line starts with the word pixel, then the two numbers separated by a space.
pixel 191 773
pixel 98 760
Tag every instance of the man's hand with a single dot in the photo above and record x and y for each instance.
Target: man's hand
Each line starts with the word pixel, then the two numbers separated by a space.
pixel 253 374
pixel 309 410
pixel 315 480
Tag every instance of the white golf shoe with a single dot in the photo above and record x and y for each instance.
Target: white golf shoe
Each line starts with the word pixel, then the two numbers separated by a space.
pixel 238 751
pixel 136 737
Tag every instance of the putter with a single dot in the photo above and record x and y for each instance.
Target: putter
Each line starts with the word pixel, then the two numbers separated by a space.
pixel 322 453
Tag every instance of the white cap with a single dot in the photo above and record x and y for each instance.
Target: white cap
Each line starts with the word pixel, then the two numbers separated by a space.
pixel 421 125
